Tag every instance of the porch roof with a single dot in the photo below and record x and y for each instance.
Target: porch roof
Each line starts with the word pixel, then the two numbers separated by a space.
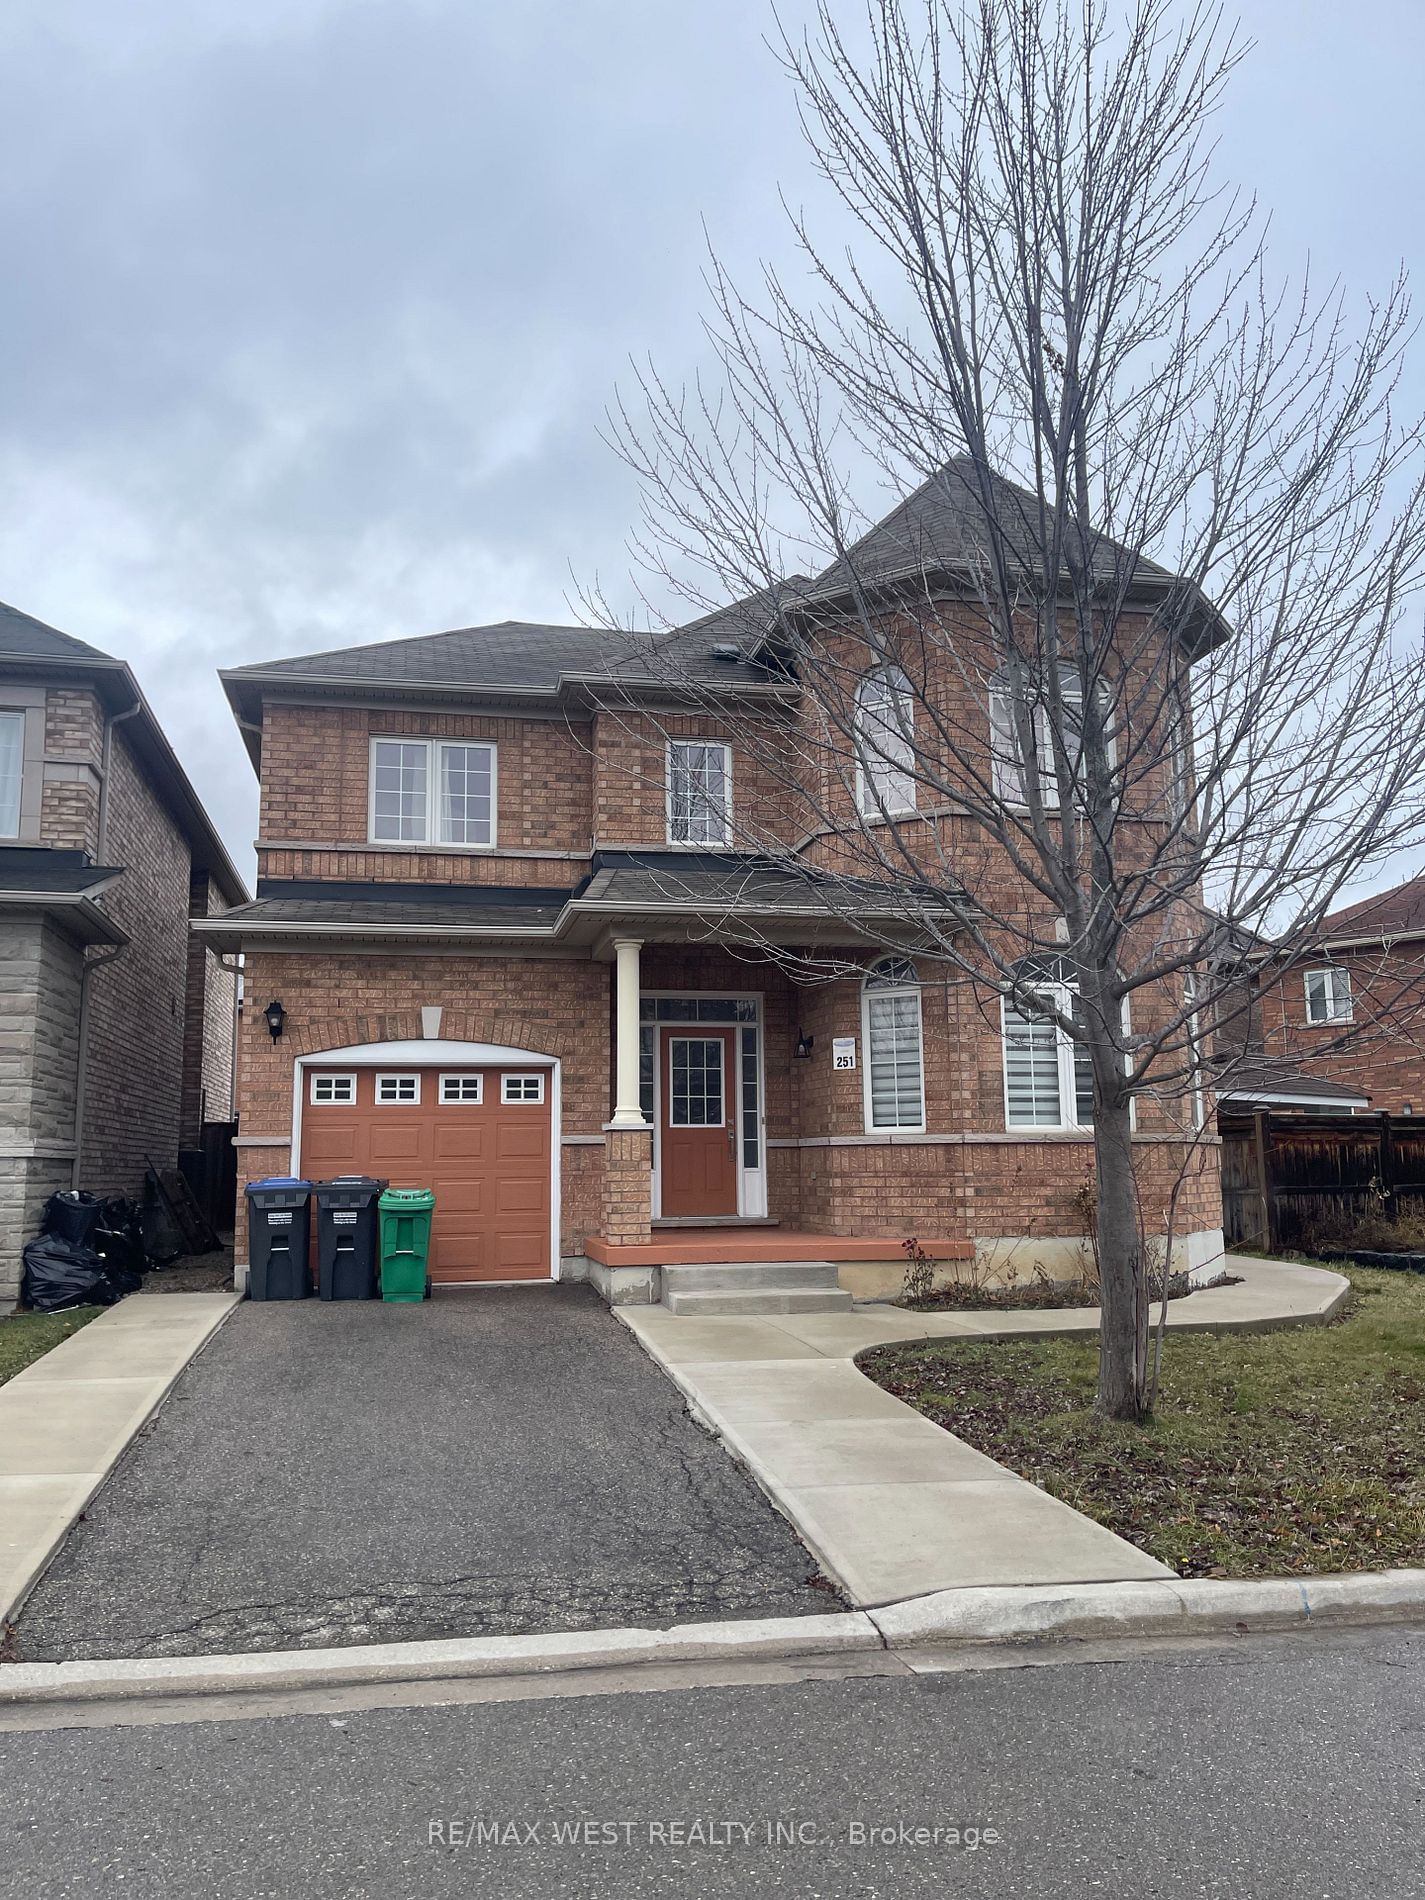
pixel 667 895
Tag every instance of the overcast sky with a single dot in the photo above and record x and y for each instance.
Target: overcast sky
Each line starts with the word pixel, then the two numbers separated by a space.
pixel 313 306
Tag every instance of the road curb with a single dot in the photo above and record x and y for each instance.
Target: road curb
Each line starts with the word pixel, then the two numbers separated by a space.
pixel 1011 1615
pixel 1184 1607
pixel 767 1639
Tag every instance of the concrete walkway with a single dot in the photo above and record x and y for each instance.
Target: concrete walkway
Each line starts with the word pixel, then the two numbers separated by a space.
pixel 65 1419
pixel 891 1504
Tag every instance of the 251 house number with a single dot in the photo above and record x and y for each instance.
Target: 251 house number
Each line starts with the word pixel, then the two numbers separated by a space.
pixel 843 1052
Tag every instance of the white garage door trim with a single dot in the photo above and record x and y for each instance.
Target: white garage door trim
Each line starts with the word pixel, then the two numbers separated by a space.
pixel 438 1054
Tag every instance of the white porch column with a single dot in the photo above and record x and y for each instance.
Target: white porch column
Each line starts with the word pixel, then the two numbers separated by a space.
pixel 628 1110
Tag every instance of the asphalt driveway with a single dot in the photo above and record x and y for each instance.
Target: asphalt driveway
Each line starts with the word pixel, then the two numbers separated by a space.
pixel 506 1459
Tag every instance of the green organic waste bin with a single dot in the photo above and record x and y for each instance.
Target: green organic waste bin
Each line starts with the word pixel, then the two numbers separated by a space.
pixel 405 1242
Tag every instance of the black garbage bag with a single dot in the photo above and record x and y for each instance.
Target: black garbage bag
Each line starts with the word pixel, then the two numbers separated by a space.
pixel 59 1275
pixel 74 1216
pixel 118 1240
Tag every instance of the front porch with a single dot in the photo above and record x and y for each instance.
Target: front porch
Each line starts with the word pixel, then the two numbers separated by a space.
pixel 719 1244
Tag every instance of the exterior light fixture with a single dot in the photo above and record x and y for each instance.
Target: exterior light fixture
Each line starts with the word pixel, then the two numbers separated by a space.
pixel 804 1045
pixel 276 1016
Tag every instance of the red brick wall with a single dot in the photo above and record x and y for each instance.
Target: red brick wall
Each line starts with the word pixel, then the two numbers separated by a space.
pixel 1382 1050
pixel 316 780
pixel 629 773
pixel 554 1006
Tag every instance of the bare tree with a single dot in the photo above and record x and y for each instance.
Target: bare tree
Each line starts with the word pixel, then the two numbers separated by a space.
pixel 1123 690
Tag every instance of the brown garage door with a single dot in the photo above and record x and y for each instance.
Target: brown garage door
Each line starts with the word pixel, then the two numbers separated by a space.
pixel 479 1137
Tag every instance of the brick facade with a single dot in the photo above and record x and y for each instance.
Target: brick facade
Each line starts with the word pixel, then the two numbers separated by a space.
pixel 154 1014
pixel 1381 1051
pixel 597 780
pixel 966 1177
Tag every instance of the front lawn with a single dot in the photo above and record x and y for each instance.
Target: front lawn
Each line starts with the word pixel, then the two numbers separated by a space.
pixel 1270 1452
pixel 25 1337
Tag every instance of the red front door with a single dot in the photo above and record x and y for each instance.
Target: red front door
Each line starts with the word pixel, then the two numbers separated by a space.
pixel 699 1132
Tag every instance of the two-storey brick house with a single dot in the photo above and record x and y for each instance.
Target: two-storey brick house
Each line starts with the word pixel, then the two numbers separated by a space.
pixel 507 888
pixel 1352 1013
pixel 118 1036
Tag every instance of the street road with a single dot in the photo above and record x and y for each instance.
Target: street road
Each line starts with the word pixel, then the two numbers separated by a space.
pixel 1257 1768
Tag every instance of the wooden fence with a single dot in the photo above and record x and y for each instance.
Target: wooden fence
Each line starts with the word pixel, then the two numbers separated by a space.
pixel 1281 1173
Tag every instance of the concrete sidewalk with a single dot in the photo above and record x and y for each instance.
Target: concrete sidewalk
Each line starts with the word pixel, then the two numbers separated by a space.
pixel 65 1420
pixel 893 1505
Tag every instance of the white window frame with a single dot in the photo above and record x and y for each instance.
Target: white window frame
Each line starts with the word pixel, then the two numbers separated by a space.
pixel 1335 991
pixel 8 831
pixel 873 799
pixel 1195 1052
pixel 461 1100
pixel 870 989
pixel 522 1100
pixel 347 1077
pixel 383 1076
pixel 1062 997
pixel 1008 771
pixel 703 745
pixel 431 839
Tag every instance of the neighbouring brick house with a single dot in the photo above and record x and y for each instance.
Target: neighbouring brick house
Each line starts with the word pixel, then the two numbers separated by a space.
pixel 1352 1014
pixel 118 1036
pixel 492 866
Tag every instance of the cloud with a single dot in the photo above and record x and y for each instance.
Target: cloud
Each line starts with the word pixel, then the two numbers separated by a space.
pixel 312 307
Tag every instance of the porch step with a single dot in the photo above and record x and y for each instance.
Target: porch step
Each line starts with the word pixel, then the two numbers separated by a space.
pixel 754 1286
pixel 787 1299
pixel 745 1275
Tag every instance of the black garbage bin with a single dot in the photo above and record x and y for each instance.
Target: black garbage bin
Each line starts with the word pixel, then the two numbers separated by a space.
pixel 279 1239
pixel 347 1223
pixel 74 1216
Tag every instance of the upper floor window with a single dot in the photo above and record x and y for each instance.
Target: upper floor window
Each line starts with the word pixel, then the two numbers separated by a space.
pixel 1048 1074
pixel 1328 996
pixel 699 791
pixel 12 761
pixel 1006 751
pixel 891 1036
pixel 432 791
pixel 885 743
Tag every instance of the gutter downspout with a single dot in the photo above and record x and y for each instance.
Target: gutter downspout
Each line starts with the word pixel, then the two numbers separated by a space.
pixel 91 964
pixel 81 1087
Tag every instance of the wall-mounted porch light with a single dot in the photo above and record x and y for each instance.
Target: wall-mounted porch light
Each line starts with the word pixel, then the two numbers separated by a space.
pixel 804 1045
pixel 276 1016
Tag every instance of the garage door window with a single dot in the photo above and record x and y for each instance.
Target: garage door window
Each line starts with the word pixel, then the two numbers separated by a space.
pixel 462 1088
pixel 391 1089
pixel 522 1088
pixel 333 1088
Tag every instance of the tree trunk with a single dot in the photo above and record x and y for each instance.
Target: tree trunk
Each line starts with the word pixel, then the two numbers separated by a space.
pixel 1123 1330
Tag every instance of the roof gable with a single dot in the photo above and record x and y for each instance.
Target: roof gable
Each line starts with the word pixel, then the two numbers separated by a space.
pixel 1397 913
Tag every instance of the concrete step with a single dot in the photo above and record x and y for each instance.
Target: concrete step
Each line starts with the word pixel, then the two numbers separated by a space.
pixel 731 1301
pixel 723 1276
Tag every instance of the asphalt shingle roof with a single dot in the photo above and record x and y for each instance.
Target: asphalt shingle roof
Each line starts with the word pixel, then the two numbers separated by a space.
pixel 52 873
pixel 940 528
pixel 1397 913
pixel 1285 1082
pixel 22 636
pixel 531 656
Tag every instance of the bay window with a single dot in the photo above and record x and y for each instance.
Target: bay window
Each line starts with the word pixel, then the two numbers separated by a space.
pixel 1005 749
pixel 1048 1074
pixel 891 1038
pixel 885 743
